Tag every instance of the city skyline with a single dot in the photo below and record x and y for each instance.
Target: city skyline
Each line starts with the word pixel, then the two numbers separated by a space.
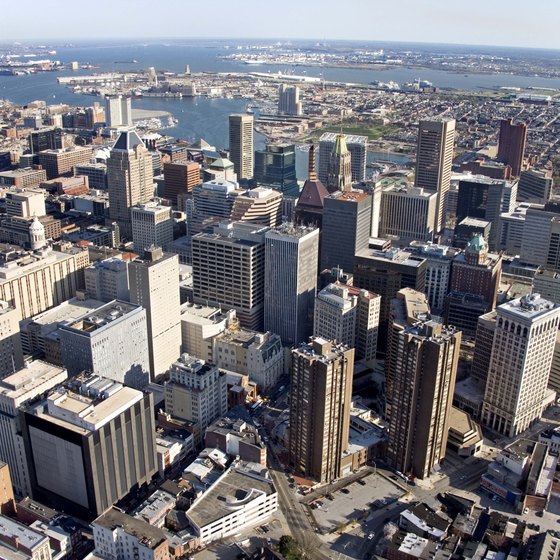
pixel 431 20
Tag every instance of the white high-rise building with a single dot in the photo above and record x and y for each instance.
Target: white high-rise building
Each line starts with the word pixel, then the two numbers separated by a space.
pixel 291 261
pixel 241 151
pixel 107 280
pixel 522 352
pixel 154 284
pixel 25 203
pixel 119 111
pixel 24 385
pixel 11 355
pixel 111 341
pixel 196 391
pixel 152 226
pixel 350 316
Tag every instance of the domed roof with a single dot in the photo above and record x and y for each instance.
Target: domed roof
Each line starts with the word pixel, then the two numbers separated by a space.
pixel 36 226
pixel 477 244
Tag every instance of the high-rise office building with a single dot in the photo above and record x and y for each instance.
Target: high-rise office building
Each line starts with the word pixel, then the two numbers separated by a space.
pixel 345 229
pixel 275 167
pixel 511 145
pixel 107 280
pixel 339 177
pixel 385 273
pixel 357 146
pixel 241 144
pixel 154 284
pixel 309 207
pixel 100 342
pixel 212 201
pixel 258 206
pixel 95 172
pixel 45 139
pixel 25 203
pixel 11 354
pixel 534 186
pixel 288 101
pixel 540 241
pixel 27 280
pixel 421 369
pixel 196 391
pixel 320 400
pixel 62 161
pixel 118 111
pixel 483 347
pixel 486 199
pixel 22 386
pixel 434 157
pixel 89 444
pixel 349 316
pixel 291 262
pixel 152 226
pixel 439 259
pixel 229 269
pixel 477 273
pixel 522 351
pixel 180 178
pixel 130 178
pixel 407 214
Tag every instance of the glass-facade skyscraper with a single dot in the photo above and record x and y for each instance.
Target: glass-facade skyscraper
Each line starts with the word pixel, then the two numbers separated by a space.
pixel 275 167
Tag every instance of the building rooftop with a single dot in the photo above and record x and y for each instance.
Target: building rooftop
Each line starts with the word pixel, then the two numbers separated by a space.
pixel 67 311
pixel 288 229
pixel 239 485
pixel 349 196
pixel 395 255
pixel 127 140
pixel 30 377
pixel 26 537
pixel 83 407
pixel 102 316
pixel 147 535
pixel 350 138
pixel 531 307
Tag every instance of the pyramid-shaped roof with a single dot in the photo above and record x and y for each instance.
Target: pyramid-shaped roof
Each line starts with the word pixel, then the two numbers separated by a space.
pixel 313 194
pixel 200 144
pixel 127 140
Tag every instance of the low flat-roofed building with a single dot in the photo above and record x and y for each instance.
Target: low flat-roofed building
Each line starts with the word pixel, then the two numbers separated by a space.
pixel 118 535
pixel 242 497
pixel 19 538
pixel 236 438
pixel 172 447
pixel 424 522
pixel 465 436
pixel 154 509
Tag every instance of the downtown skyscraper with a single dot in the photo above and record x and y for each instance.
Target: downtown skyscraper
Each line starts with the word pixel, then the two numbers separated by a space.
pixel 241 145
pixel 434 156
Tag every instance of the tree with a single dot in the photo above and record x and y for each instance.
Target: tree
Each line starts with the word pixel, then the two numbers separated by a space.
pixel 288 547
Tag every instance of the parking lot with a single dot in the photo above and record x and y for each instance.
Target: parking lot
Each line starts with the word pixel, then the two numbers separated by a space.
pixel 354 502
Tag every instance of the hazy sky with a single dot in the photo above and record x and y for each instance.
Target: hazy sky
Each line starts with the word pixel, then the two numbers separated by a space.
pixel 488 22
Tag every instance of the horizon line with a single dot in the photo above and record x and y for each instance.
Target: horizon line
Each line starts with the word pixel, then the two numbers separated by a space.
pixel 121 40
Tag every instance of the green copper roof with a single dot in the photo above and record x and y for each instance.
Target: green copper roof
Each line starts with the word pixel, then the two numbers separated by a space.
pixel 477 244
pixel 339 147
